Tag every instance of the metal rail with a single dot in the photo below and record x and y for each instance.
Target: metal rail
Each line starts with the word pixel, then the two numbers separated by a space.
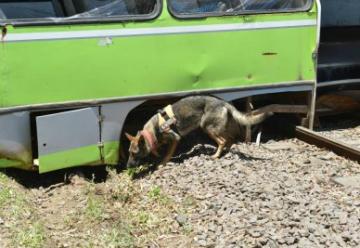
pixel 336 146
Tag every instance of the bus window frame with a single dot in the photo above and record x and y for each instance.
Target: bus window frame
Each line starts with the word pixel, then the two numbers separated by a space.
pixel 51 21
pixel 306 8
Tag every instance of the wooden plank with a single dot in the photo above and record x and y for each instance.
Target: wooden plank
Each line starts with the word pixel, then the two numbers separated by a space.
pixel 336 146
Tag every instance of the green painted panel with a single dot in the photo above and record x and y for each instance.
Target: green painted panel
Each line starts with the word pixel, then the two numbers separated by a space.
pixel 89 155
pixel 60 71
pixel 5 163
pixel 80 69
pixel 111 152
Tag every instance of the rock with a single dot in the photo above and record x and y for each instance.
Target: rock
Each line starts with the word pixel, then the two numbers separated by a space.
pixel 212 227
pixel 343 219
pixel 253 220
pixel 349 182
pixel 328 156
pixel 202 242
pixel 357 203
pixel 346 236
pixel 290 240
pixel 304 233
pixel 263 241
pixel 255 233
pixel 311 227
pixel 277 146
pixel 1 221
pixel 317 162
pixel 181 219
pixel 272 244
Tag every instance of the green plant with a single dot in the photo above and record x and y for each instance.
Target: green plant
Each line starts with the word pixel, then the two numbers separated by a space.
pixel 31 237
pixel 119 237
pixel 155 192
pixel 94 208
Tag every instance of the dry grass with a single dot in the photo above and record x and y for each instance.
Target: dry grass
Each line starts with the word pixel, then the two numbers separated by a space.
pixel 120 212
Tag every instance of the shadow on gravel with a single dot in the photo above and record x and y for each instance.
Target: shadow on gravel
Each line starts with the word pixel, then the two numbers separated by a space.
pixel 31 180
pixel 195 144
pixel 245 157
pixel 338 122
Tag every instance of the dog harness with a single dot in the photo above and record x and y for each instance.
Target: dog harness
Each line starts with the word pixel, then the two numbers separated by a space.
pixel 167 119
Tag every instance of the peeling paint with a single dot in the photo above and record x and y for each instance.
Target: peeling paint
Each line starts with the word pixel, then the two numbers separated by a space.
pixel 270 54
pixel 15 155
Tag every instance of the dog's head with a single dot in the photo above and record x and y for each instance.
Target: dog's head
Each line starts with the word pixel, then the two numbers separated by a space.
pixel 138 149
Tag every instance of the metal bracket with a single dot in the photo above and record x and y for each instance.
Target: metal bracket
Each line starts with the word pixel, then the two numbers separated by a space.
pixel 4 31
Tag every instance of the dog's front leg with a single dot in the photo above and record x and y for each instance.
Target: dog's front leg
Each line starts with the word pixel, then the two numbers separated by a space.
pixel 174 141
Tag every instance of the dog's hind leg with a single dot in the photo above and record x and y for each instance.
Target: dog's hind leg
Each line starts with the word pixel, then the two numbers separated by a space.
pixel 221 142
pixel 214 123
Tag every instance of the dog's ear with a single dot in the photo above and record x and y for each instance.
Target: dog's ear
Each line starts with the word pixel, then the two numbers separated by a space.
pixel 129 137
pixel 141 139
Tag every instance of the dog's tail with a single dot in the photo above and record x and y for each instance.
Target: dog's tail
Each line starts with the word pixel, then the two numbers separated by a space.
pixel 245 119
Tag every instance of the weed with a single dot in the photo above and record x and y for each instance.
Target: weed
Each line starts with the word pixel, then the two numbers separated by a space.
pixel 143 217
pixel 72 218
pixel 131 172
pixel 14 201
pixel 187 229
pixel 5 196
pixel 155 192
pixel 94 208
pixel 119 237
pixel 189 201
pixel 134 172
pixel 20 207
pixel 32 237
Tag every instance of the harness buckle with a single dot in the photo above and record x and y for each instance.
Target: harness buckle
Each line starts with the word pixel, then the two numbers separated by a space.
pixel 166 126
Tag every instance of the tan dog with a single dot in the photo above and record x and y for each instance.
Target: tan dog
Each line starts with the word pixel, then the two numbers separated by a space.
pixel 219 119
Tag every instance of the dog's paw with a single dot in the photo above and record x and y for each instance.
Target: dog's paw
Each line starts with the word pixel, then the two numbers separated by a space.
pixel 215 157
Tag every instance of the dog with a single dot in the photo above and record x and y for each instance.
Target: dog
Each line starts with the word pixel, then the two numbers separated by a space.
pixel 219 119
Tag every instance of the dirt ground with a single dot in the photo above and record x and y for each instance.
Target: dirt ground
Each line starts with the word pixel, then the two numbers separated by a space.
pixel 281 194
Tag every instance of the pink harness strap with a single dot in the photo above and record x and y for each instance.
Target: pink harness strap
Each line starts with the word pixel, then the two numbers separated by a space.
pixel 149 138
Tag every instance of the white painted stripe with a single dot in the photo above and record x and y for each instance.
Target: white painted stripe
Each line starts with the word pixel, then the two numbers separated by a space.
pixel 90 34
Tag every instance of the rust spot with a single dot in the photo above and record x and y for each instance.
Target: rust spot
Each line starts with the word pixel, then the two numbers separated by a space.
pixel 3 33
pixel 269 54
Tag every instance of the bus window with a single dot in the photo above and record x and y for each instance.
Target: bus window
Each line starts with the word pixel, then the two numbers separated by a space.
pixel 223 7
pixel 29 9
pixel 72 10
pixel 99 8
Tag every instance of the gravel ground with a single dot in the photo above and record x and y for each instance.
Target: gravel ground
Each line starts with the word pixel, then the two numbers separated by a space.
pixel 345 131
pixel 280 194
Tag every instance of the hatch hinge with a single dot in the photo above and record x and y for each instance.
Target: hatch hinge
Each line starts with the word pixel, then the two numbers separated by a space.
pixel 4 31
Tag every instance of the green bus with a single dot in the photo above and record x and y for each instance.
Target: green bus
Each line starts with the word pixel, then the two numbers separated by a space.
pixel 72 70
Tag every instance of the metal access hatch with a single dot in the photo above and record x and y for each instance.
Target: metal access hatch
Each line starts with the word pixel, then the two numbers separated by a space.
pixel 68 139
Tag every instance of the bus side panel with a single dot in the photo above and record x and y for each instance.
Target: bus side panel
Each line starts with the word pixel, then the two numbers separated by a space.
pixel 15 141
pixel 113 118
pixel 79 69
pixel 68 139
